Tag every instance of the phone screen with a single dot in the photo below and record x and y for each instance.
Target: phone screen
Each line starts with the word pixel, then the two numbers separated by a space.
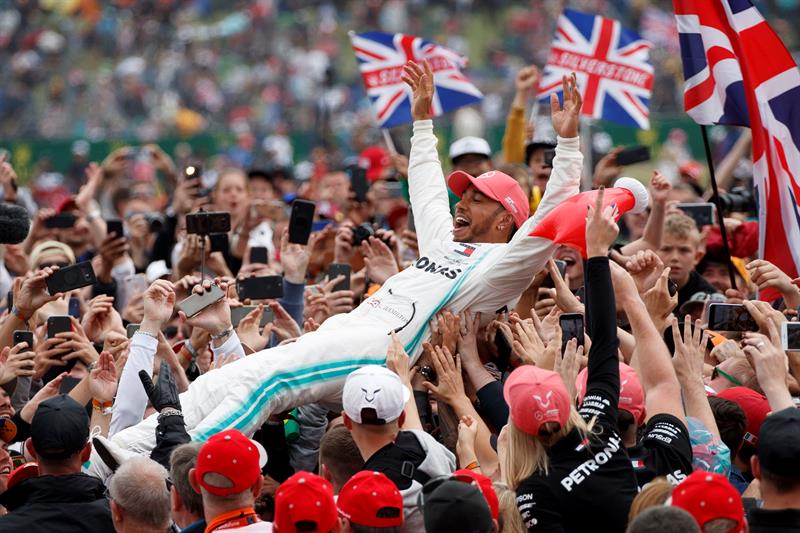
pixel 74 307
pixel 730 317
pixel 261 288
pixel 358 182
pixel 701 213
pixel 571 328
pixel 339 269
pixel 791 341
pixel 258 254
pixel 238 313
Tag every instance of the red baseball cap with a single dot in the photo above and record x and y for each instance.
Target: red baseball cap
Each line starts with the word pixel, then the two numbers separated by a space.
pixel 486 487
pixel 631 393
pixel 370 499
pixel 234 456
pixel 375 159
pixel 304 502
pixel 707 497
pixel 536 396
pixel 497 186
pixel 755 407
pixel 67 204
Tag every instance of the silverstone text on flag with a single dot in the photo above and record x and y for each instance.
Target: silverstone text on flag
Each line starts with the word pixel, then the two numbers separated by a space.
pixel 381 57
pixel 612 64
pixel 738 72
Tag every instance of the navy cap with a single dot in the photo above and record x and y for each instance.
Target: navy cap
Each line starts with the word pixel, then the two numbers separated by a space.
pixel 60 428
pixel 779 443
pixel 457 506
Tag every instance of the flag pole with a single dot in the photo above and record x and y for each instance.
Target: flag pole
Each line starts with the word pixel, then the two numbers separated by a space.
pixel 722 231
pixel 387 137
pixel 587 148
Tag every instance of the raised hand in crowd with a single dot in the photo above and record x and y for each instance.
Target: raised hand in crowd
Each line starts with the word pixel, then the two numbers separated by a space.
pixel 77 344
pixel 16 362
pixel 767 276
pixel 164 393
pixel 771 365
pixel 338 301
pixel 566 117
pixel 420 78
pixel 159 299
pixel 445 329
pixel 216 318
pixel 103 379
pixel 101 318
pixel 379 260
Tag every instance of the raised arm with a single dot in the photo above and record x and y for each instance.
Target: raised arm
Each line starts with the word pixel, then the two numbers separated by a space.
pixel 426 184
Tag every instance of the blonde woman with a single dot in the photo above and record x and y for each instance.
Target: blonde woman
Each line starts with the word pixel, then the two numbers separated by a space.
pixel 569 467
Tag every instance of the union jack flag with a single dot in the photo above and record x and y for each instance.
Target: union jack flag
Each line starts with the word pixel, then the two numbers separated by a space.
pixel 381 57
pixel 738 72
pixel 612 65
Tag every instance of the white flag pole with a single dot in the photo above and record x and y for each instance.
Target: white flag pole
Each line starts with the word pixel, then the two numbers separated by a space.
pixel 387 137
pixel 586 148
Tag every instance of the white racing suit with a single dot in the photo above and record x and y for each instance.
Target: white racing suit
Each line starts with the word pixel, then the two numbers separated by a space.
pixel 479 277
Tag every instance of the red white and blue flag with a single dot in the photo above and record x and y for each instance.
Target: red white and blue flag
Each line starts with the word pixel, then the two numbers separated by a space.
pixel 612 64
pixel 738 72
pixel 381 57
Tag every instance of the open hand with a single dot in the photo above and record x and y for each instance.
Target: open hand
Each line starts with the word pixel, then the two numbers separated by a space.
pixel 566 118
pixel 601 226
pixel 420 79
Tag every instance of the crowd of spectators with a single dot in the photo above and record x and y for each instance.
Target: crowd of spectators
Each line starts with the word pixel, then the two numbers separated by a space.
pixel 602 393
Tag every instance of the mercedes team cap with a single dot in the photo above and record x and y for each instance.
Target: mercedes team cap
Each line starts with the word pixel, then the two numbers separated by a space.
pixel 370 499
pixel 631 393
pixel 235 457
pixel 496 185
pixel 536 396
pixel 470 145
pixel 374 395
pixel 710 499
pixel 60 428
pixel 699 299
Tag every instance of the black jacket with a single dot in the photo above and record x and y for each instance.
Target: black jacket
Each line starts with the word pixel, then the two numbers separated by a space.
pixel 68 503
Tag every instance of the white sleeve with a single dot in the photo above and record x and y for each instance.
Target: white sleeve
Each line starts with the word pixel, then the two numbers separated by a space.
pixel 131 401
pixel 427 189
pixel 533 252
pixel 231 346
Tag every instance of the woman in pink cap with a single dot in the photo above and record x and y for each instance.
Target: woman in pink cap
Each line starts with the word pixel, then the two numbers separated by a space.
pixel 568 466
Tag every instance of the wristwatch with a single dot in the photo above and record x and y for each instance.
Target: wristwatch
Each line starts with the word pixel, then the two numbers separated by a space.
pixel 222 335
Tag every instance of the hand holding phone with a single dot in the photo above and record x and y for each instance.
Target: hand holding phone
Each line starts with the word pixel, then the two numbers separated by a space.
pixel 339 269
pixel 21 336
pixel 71 278
pixel 790 336
pixel 300 221
pixel 730 317
pixel 194 304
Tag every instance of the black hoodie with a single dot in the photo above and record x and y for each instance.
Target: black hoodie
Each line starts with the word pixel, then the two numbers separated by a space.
pixel 74 502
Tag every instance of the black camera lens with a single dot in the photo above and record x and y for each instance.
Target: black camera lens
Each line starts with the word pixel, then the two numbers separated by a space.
pixel 361 233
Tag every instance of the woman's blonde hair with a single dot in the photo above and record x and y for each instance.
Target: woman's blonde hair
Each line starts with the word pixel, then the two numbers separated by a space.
pixel 526 454
pixel 653 494
pixel 510 520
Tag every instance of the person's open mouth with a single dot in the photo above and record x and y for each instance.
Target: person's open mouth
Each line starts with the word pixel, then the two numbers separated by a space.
pixel 461 222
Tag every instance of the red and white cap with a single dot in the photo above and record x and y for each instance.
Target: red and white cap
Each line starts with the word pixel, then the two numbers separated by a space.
pixel 709 497
pixel 496 185
pixel 371 499
pixel 631 393
pixel 374 395
pixel 234 456
pixel 536 396
pixel 304 502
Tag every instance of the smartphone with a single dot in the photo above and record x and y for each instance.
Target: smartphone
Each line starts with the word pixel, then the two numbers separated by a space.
pixel 571 328
pixel 58 324
pixel 300 221
pixel 261 288
pixel 23 336
pixel 340 269
pixel 10 299
pixel 238 313
pixel 206 222
pixel 410 224
pixel 790 336
pixel 633 154
pixel 701 212
pixel 74 307
pixel 219 242
pixel 359 183
pixel 60 220
pixel 131 329
pixel 549 155
pixel 71 278
pixel 197 302
pixel 730 317
pixel 115 227
pixel 562 270
pixel 258 254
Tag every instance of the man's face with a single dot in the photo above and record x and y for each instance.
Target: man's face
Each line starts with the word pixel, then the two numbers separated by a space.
pixel 681 255
pixel 6 409
pixel 6 465
pixel 78 234
pixel 335 187
pixel 476 216
pixel 541 173
pixel 260 189
pixel 473 164
pixel 574 272
pixel 717 275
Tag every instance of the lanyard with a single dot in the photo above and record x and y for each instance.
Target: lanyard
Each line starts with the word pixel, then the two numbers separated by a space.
pixel 233 519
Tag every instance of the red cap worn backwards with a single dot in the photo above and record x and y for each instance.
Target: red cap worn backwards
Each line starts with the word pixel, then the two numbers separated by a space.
pixel 304 502
pixel 497 186
pixel 536 396
pixel 709 497
pixel 234 456
pixel 371 499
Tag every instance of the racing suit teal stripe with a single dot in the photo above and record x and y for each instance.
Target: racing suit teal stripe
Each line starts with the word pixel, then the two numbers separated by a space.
pixel 243 416
pixel 410 347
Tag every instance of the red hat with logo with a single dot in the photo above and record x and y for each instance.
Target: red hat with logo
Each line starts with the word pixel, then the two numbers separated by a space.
pixel 709 497
pixel 304 502
pixel 486 486
pixel 370 499
pixel 234 456
pixel 755 407
pixel 497 186
pixel 631 393
pixel 376 160
pixel 536 396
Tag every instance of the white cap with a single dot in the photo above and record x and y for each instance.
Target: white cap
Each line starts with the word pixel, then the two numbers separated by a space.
pixel 373 388
pixel 156 270
pixel 470 145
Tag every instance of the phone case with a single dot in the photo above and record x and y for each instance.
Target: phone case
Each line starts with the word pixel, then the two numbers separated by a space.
pixel 197 302
pixel 71 278
pixel 300 221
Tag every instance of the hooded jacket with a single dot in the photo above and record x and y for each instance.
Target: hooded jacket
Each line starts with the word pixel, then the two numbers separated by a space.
pixel 44 504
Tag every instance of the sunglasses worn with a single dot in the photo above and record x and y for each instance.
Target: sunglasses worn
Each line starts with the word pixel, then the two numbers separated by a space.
pixel 59 265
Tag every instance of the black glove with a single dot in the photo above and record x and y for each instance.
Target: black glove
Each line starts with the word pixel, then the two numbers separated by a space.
pixel 165 393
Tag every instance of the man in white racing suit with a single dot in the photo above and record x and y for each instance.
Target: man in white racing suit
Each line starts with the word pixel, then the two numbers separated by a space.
pixel 466 262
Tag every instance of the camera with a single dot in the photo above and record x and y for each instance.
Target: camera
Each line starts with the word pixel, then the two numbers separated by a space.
pixel 738 200
pixel 71 278
pixel 361 233
pixel 155 221
pixel 206 222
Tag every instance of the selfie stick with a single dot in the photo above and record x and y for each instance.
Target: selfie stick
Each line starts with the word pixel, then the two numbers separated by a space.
pixel 723 233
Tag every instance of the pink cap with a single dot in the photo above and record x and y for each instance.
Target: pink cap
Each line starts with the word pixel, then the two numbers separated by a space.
pixel 497 186
pixel 536 396
pixel 631 393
